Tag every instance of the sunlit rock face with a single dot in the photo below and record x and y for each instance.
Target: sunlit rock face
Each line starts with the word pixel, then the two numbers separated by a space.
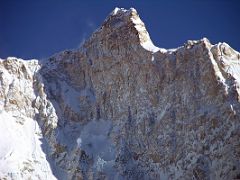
pixel 121 108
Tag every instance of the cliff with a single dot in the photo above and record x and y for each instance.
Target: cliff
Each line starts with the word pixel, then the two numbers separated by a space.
pixel 121 108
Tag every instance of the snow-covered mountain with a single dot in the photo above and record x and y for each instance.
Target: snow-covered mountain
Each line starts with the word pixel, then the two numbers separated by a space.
pixel 121 108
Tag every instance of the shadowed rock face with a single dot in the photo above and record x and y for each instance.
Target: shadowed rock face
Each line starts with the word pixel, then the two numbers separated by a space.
pixel 121 108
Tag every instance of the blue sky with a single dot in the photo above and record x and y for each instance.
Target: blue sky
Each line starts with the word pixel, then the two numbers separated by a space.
pixel 40 28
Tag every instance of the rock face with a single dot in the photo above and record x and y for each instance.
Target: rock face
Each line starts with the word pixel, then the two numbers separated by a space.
pixel 121 108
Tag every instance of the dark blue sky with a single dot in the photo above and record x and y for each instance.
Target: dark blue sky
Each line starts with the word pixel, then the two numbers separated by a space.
pixel 40 28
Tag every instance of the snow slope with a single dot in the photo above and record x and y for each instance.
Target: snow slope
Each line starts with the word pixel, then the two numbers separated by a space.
pixel 21 154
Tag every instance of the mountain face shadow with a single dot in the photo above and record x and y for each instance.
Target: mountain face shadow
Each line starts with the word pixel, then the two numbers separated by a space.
pixel 71 123
pixel 42 119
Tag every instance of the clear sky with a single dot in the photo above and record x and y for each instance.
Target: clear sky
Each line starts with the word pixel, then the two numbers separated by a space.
pixel 40 28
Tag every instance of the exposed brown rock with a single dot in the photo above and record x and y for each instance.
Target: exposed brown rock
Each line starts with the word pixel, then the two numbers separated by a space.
pixel 121 108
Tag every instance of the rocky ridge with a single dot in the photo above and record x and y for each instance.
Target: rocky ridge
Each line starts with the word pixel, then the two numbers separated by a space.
pixel 121 108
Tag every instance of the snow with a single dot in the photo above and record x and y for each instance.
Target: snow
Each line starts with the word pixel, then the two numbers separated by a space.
pixel 21 155
pixel 94 139
pixel 137 21
pixel 72 97
pixel 147 43
pixel 230 61
pixel 117 10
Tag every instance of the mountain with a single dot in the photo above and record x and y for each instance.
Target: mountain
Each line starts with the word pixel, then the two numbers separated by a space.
pixel 121 108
